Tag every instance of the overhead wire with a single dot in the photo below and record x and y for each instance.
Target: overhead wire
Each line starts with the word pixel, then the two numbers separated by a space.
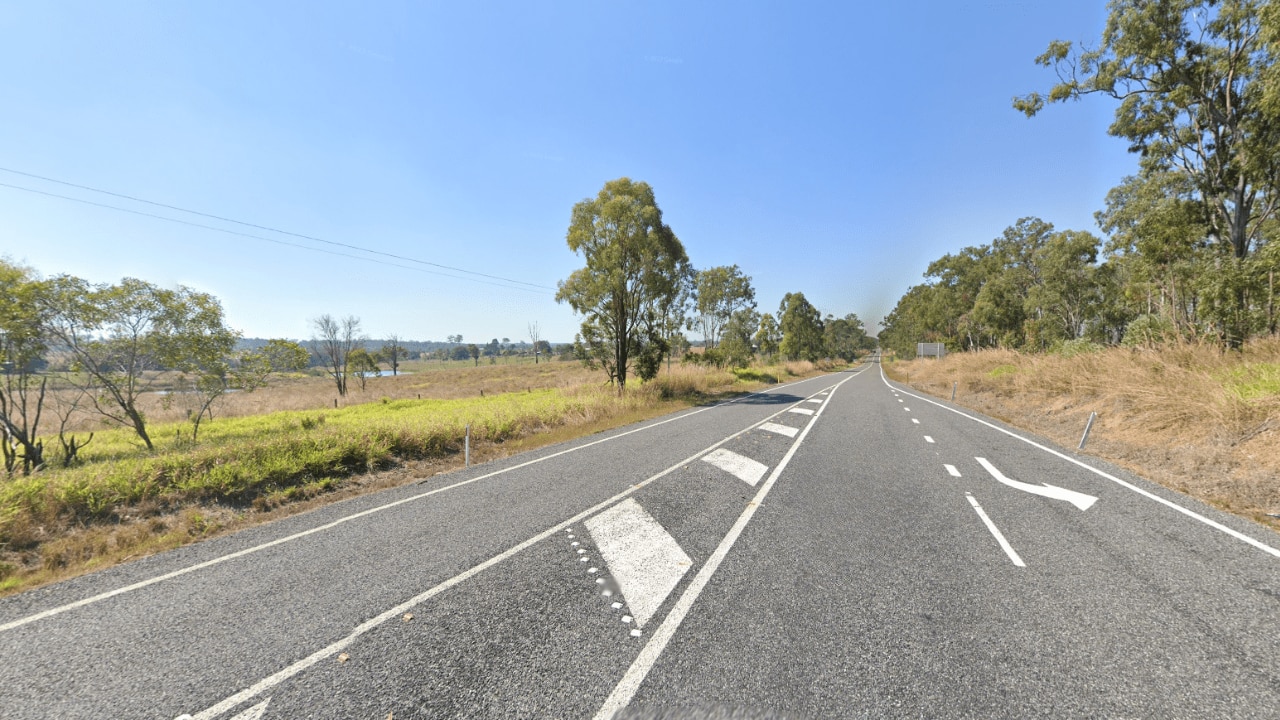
pixel 255 226
pixel 533 288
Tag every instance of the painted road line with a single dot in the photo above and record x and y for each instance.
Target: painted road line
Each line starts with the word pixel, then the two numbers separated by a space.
pixel 952 469
pixel 354 516
pixel 644 662
pixel 1080 500
pixel 284 674
pixel 1123 483
pixel 917 422
pixel 741 467
pixel 1004 544
pixel 641 556
pixel 815 400
pixel 907 409
pixel 780 429
pixel 801 411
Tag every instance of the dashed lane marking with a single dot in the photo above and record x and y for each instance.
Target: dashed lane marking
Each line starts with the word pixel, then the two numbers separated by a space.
pixel 780 429
pixel 928 439
pixel 917 422
pixel 952 469
pixel 801 411
pixel 815 400
pixel 741 467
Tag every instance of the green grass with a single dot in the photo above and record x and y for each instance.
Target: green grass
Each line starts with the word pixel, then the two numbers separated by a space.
pixel 1002 370
pixel 276 456
pixel 1252 381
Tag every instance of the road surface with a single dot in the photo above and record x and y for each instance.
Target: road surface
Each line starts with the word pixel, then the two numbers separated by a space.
pixel 838 547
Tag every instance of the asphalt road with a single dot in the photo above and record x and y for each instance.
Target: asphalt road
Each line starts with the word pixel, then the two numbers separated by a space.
pixel 838 547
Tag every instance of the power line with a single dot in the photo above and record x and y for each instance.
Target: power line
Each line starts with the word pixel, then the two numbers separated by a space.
pixel 532 288
pixel 247 224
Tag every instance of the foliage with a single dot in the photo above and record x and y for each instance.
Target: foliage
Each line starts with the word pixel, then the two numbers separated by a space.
pixel 721 293
pixel 634 266
pixel 22 393
pixel 117 335
pixel 768 335
pixel 801 325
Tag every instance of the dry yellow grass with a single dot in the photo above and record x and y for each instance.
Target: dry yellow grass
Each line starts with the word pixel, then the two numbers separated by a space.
pixel 1191 417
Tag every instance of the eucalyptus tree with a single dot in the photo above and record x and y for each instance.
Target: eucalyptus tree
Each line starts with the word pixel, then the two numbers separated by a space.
pixel 1187 75
pixel 721 292
pixel 119 338
pixel 634 265
pixel 768 335
pixel 802 331
pixel 22 391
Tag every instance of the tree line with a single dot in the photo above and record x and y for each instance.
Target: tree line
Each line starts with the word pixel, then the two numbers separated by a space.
pixel 69 347
pixel 638 293
pixel 1191 250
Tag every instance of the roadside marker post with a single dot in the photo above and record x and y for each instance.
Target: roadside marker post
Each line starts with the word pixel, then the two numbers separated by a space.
pixel 467 445
pixel 1087 426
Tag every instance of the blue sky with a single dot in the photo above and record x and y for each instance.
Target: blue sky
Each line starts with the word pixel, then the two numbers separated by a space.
pixel 828 148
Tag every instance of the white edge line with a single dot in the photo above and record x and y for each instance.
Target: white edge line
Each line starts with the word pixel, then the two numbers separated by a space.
pixel 320 528
pixel 626 688
pixel 284 674
pixel 1189 513
pixel 1008 549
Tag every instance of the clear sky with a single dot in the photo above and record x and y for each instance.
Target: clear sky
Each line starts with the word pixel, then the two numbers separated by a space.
pixel 828 148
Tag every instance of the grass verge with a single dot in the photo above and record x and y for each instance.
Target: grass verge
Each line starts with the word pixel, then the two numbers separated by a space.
pixel 123 502
pixel 1190 417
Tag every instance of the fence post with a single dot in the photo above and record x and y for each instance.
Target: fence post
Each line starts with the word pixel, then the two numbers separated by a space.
pixel 953 392
pixel 1087 427
pixel 467 445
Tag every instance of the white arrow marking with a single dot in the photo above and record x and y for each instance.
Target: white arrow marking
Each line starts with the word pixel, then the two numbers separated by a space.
pixel 744 468
pixel 1080 500
pixel 780 429
pixel 642 557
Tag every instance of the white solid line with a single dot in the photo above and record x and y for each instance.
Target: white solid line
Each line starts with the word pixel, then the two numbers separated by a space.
pixel 780 429
pixel 917 422
pixel 928 439
pixel 1008 549
pixel 740 466
pixel 801 411
pixel 1189 513
pixel 952 469
pixel 320 528
pixel 635 675
pixel 338 646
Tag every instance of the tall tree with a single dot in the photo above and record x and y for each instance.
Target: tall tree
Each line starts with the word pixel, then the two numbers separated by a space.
pixel 801 326
pixel 333 342
pixel 633 266
pixel 22 392
pixel 721 292
pixel 768 335
pixel 1187 75
pixel 118 335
